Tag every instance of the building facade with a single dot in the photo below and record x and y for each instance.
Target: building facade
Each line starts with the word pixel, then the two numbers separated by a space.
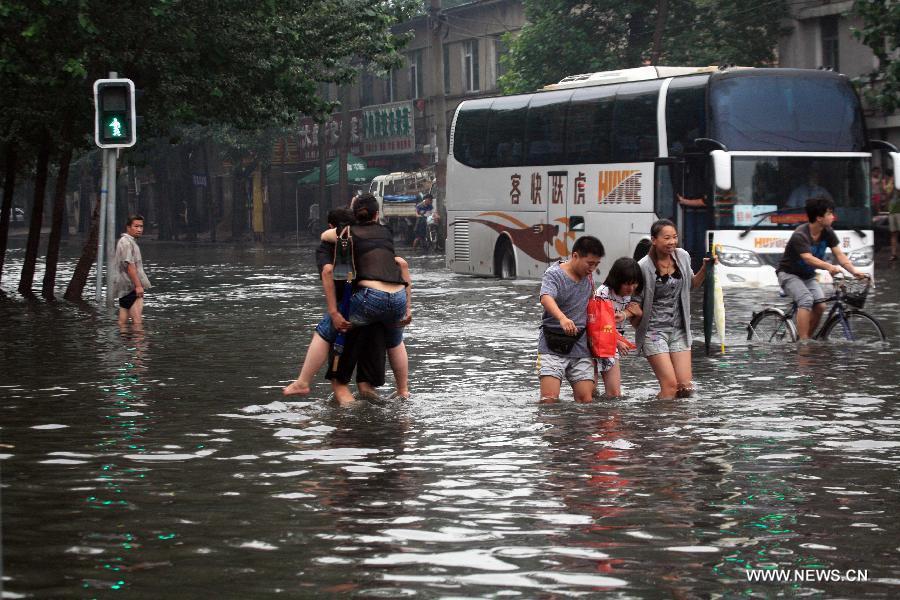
pixel 821 35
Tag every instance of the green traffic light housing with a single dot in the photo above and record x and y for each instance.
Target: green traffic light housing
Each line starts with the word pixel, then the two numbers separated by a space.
pixel 114 113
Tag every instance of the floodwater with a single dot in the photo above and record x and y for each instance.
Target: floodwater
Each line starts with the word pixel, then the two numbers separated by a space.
pixel 166 465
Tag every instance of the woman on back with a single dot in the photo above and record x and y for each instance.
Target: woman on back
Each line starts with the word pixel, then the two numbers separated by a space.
pixel 664 329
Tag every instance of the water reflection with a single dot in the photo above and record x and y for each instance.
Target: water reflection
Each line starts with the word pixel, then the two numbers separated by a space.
pixel 163 462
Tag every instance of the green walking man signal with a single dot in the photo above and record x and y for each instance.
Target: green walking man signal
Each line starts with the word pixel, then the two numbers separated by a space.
pixel 114 113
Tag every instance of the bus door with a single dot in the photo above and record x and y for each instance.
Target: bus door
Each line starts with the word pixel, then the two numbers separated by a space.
pixel 558 214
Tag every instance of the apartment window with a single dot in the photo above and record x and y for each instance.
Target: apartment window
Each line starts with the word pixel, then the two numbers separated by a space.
pixel 367 92
pixel 390 87
pixel 470 66
pixel 829 33
pixel 416 89
pixel 500 50
pixel 446 69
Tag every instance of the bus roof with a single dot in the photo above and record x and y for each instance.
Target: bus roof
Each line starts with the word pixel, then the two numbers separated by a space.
pixel 624 75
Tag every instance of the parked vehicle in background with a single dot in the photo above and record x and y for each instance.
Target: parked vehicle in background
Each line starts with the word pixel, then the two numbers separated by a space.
pixel 398 194
pixel 17 216
pixel 609 153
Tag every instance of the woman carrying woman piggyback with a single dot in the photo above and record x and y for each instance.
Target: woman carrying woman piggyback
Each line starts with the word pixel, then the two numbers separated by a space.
pixel 664 329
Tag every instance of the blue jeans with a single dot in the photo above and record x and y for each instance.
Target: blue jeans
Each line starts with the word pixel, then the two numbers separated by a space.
pixel 374 306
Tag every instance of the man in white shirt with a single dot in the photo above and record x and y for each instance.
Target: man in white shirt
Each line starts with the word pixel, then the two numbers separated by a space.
pixel 130 280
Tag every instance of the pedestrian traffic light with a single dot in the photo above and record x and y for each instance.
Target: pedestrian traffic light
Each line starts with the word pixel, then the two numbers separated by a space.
pixel 114 113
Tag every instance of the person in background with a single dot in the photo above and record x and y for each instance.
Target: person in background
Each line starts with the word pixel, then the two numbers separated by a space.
pixel 664 328
pixel 877 189
pixel 803 254
pixel 810 189
pixel 562 346
pixel 892 198
pixel 423 210
pixel 130 281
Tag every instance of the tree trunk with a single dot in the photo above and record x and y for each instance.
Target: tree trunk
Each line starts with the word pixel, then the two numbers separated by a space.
pixel 88 256
pixel 238 204
pixel 9 187
pixel 662 9
pixel 162 194
pixel 37 218
pixel 344 145
pixel 323 177
pixel 207 193
pixel 59 209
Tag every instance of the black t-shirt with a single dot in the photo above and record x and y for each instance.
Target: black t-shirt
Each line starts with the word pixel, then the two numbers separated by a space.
pixel 324 256
pixel 801 242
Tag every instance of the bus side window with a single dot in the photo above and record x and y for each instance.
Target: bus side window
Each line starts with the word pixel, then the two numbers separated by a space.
pixel 667 178
pixel 469 134
pixel 546 128
pixel 635 136
pixel 506 132
pixel 589 125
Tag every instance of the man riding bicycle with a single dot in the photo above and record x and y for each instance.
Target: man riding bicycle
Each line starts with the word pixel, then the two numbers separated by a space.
pixel 804 253
pixel 423 210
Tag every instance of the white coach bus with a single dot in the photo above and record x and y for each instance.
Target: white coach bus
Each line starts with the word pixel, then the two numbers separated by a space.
pixel 606 154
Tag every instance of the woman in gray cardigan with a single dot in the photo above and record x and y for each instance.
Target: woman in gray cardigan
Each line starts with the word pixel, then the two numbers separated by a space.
pixel 664 330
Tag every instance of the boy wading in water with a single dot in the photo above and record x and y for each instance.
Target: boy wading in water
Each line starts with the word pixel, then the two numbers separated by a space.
pixel 562 346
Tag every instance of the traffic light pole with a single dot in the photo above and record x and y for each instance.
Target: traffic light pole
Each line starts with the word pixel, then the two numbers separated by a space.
pixel 101 226
pixel 111 225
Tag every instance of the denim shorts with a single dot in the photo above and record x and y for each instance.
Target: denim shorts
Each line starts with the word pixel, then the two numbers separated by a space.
pixel 665 342
pixel 370 306
pixel 563 367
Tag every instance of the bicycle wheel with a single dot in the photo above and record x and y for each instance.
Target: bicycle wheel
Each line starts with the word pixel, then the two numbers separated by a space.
pixel 771 327
pixel 857 327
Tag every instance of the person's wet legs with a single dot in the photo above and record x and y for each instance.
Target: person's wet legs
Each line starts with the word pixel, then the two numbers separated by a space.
pixel 316 355
pixel 665 373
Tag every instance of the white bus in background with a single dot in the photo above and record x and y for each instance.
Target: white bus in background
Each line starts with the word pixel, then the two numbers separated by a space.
pixel 607 154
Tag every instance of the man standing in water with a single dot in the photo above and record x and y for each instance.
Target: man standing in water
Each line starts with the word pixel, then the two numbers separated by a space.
pixel 562 346
pixel 130 281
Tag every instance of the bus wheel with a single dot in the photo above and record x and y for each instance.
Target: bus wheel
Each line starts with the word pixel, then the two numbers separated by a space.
pixel 504 260
pixel 642 249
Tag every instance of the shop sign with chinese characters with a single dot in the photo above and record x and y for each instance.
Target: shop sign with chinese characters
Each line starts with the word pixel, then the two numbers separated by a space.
pixel 389 129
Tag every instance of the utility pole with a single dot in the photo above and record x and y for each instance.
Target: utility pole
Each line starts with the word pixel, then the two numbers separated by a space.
pixel 438 100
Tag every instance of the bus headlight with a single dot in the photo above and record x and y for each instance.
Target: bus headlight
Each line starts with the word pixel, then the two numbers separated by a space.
pixel 862 257
pixel 736 257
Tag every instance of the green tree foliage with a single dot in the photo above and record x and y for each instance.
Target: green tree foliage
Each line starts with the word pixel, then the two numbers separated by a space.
pixel 881 33
pixel 567 37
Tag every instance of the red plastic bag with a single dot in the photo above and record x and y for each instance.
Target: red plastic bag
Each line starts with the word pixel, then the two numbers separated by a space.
pixel 601 328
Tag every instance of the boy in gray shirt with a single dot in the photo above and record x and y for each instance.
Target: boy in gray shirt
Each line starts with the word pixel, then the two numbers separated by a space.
pixel 566 288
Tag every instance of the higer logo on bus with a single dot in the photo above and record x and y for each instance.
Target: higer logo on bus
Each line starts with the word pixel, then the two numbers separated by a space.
pixel 619 187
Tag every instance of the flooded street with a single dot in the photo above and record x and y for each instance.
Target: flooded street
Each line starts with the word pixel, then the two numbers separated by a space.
pixel 167 465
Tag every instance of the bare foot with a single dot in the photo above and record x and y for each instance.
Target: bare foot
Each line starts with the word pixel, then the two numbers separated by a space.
pixel 298 388
pixel 344 397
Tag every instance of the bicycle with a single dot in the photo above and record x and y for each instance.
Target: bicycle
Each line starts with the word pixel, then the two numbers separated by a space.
pixel 845 321
pixel 432 241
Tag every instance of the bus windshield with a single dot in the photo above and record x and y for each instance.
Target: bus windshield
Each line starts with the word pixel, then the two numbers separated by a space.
pixel 781 185
pixel 786 112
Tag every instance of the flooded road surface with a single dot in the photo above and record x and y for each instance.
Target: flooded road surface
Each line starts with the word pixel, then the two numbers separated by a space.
pixel 166 465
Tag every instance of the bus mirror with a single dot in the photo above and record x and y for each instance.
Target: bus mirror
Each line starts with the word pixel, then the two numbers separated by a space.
pixel 722 167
